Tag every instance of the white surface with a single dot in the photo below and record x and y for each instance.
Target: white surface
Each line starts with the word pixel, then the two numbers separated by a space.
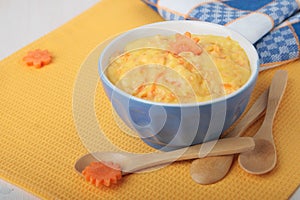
pixel 296 195
pixel 22 22
pixel 11 192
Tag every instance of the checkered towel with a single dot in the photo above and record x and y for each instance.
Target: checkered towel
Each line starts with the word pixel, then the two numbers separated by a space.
pixel 273 26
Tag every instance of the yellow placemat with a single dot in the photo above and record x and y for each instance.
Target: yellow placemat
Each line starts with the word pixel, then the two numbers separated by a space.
pixel 39 140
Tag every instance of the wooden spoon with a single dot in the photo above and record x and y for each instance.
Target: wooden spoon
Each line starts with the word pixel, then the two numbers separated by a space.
pixel 263 158
pixel 212 169
pixel 130 163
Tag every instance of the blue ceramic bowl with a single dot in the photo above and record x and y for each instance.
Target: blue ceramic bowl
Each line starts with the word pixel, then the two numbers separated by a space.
pixel 171 126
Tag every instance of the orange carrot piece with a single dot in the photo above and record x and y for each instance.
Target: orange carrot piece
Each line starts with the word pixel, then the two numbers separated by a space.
pixel 228 88
pixel 140 89
pixel 98 173
pixel 37 58
pixel 184 44
pixel 181 61
pixel 196 40
pixel 227 85
pixel 188 34
pixel 153 88
pixel 126 56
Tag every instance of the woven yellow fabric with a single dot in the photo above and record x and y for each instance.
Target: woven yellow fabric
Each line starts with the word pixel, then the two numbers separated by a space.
pixel 40 141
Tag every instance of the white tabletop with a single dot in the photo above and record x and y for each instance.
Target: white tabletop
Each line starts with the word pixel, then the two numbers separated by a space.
pixel 22 22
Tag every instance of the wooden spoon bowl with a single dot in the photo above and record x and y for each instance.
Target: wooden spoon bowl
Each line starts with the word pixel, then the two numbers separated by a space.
pixel 263 158
pixel 212 169
pixel 264 153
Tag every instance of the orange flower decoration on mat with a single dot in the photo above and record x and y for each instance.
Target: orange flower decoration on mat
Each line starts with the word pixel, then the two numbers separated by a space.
pixel 99 173
pixel 38 58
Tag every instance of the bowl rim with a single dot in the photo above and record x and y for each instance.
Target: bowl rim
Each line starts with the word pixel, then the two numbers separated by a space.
pixel 252 78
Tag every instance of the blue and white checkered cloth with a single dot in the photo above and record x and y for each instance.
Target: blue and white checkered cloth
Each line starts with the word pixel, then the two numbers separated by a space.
pixel 273 26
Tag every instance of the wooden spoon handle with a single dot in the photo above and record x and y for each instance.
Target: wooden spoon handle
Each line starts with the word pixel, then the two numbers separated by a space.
pixel 224 146
pixel 277 89
pixel 256 111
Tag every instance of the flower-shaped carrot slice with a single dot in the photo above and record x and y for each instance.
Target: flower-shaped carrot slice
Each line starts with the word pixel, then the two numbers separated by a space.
pixel 184 43
pixel 38 58
pixel 99 173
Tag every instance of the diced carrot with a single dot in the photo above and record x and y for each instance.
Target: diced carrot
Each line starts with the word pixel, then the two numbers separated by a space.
pixel 196 40
pixel 140 88
pixel 181 61
pixel 161 74
pixel 188 34
pixel 126 56
pixel 171 97
pixel 153 88
pixel 98 173
pixel 174 82
pixel 189 67
pixel 228 88
pixel 37 58
pixel 227 85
